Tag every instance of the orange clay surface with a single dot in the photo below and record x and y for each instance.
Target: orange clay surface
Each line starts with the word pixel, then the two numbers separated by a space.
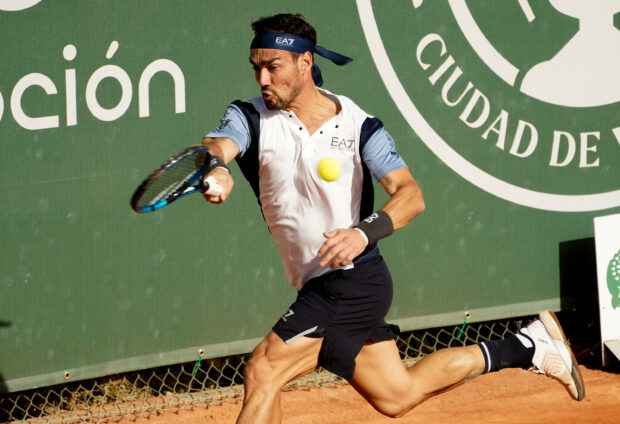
pixel 508 396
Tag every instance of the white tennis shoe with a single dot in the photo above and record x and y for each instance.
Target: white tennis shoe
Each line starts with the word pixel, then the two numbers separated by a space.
pixel 553 356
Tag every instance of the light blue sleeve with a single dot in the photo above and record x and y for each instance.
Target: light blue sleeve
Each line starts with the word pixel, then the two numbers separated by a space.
pixel 233 125
pixel 380 154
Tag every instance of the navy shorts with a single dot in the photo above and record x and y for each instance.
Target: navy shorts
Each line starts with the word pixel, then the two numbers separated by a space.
pixel 347 309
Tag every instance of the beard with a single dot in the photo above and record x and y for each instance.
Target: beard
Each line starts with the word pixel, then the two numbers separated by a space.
pixel 277 102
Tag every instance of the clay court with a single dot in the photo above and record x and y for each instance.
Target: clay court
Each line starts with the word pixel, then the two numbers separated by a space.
pixel 121 307
pixel 509 396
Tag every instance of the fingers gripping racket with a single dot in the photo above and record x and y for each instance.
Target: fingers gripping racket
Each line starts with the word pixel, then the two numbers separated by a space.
pixel 180 175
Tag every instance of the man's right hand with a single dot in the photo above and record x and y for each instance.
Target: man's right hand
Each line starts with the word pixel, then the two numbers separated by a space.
pixel 227 150
pixel 223 178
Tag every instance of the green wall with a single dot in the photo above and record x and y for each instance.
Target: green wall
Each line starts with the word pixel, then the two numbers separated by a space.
pixel 90 287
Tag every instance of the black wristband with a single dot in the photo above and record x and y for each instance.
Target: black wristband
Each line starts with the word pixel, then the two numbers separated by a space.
pixel 376 226
pixel 216 162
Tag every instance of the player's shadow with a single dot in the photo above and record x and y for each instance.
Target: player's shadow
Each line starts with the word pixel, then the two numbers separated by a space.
pixel 578 279
pixel 3 388
pixel 579 299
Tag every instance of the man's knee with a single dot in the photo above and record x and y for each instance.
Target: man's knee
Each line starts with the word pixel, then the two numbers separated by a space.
pixel 274 363
pixel 267 366
pixel 396 408
pixel 396 400
pixel 258 371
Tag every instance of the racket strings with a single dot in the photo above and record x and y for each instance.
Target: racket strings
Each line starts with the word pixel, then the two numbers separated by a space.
pixel 173 180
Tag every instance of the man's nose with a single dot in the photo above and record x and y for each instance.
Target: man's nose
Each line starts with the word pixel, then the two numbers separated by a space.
pixel 263 78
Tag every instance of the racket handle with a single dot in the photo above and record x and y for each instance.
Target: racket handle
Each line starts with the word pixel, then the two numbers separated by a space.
pixel 213 188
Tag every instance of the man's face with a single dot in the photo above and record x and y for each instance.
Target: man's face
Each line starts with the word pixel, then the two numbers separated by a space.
pixel 278 75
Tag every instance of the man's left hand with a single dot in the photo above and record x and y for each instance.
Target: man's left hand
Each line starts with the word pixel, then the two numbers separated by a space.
pixel 341 247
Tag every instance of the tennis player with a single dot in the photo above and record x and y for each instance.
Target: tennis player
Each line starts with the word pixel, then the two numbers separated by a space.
pixel 327 234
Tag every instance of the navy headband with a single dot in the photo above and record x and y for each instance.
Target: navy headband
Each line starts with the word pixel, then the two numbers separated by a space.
pixel 295 43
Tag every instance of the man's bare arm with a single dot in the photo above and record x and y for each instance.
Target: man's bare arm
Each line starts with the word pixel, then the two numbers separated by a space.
pixel 227 150
pixel 405 203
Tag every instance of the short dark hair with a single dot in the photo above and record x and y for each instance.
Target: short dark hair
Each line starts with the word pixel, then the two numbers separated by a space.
pixel 286 22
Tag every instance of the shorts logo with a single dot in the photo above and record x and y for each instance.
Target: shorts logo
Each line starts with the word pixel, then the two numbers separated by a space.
pixel 288 314
pixel 520 98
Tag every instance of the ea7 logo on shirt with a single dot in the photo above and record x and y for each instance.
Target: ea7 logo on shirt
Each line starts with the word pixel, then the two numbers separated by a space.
pixel 342 144
pixel 285 41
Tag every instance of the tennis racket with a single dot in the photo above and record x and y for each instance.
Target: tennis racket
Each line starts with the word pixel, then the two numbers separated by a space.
pixel 180 175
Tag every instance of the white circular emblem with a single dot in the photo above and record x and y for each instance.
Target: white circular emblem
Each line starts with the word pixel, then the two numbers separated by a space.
pixel 14 5
pixel 538 76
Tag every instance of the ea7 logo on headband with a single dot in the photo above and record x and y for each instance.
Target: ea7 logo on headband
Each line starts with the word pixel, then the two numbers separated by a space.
pixel 285 41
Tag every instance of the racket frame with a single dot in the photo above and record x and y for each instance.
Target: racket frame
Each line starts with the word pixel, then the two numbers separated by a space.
pixel 193 184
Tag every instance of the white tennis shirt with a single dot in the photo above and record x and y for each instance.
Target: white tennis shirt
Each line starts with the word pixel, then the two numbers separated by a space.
pixel 280 157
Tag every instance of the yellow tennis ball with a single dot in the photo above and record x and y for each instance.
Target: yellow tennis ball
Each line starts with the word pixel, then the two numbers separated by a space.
pixel 329 169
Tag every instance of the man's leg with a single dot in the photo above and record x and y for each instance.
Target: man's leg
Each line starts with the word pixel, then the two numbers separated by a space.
pixel 272 365
pixel 393 390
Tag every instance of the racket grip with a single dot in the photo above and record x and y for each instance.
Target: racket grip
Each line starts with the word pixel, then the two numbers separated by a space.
pixel 213 188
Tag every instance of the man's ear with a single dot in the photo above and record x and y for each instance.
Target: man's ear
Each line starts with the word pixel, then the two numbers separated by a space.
pixel 305 63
